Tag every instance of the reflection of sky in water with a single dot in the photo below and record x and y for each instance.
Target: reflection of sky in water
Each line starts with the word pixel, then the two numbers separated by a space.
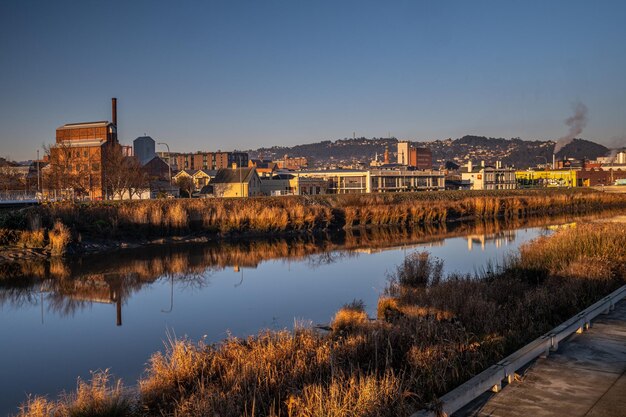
pixel 46 358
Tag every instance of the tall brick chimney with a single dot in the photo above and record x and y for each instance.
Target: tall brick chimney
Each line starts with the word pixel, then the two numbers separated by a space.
pixel 114 111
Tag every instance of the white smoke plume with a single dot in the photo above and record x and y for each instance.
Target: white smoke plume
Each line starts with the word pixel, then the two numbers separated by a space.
pixel 576 125
pixel 612 155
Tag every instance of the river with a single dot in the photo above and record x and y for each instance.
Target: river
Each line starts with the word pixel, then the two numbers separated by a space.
pixel 60 320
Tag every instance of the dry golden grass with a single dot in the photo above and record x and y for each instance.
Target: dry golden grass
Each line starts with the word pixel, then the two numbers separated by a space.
pixel 432 334
pixel 37 407
pixel 98 398
pixel 595 244
pixel 60 238
pixel 349 317
pixel 32 239
pixel 268 215
pixel 356 395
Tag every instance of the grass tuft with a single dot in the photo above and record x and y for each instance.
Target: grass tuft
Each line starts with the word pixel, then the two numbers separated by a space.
pixel 99 397
pixel 433 334
pixel 60 238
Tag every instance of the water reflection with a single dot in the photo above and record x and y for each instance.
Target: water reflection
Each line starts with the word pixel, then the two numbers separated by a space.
pixel 499 239
pixel 113 310
pixel 66 287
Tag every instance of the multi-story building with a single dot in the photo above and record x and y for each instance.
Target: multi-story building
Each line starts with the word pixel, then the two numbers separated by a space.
pixel 420 158
pixel 77 159
pixel 208 160
pixel 489 177
pixel 574 177
pixel 292 163
pixel 403 153
pixel 354 181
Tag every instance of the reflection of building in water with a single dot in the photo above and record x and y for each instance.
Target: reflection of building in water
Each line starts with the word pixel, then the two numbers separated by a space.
pixel 370 251
pixel 98 288
pixel 499 239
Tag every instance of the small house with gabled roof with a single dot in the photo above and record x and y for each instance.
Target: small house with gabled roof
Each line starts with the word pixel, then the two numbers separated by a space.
pixel 236 182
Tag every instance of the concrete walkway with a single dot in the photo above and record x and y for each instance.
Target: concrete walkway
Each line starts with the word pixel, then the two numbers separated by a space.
pixel 586 377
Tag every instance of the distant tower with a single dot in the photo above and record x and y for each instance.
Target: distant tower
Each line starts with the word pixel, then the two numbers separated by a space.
pixel 144 148
pixel 403 153
pixel 386 158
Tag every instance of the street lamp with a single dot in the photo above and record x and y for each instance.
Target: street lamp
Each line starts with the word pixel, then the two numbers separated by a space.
pixel 169 160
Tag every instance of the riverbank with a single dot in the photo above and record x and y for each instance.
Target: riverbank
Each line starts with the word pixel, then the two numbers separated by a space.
pixel 183 256
pixel 433 333
pixel 77 228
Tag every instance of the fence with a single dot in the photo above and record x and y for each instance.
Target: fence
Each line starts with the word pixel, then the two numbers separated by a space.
pixel 21 196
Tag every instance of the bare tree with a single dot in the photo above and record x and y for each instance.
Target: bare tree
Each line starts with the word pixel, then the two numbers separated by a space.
pixel 59 176
pixel 123 174
pixel 10 180
pixel 139 178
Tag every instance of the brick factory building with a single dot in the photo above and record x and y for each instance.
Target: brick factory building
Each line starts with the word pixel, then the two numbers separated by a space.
pixel 77 159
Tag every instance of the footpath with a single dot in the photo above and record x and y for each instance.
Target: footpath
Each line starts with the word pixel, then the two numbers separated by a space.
pixel 585 377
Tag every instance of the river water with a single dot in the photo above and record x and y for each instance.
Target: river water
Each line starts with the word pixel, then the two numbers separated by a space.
pixel 61 320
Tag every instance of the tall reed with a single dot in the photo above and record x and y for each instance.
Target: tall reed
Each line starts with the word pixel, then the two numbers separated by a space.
pixel 432 334
pixel 269 215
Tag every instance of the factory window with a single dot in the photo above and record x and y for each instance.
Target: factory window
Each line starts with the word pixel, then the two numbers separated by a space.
pixel 85 154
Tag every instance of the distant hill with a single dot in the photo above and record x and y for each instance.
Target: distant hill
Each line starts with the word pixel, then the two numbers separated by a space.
pixel 327 152
pixel 581 148
pixel 517 152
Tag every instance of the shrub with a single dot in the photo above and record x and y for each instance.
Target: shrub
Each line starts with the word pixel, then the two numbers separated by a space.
pixel 418 269
pixel 350 316
pixel 34 239
pixel 60 238
pixel 9 237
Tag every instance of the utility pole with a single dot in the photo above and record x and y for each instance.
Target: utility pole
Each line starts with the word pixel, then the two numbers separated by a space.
pixel 38 180
pixel 240 183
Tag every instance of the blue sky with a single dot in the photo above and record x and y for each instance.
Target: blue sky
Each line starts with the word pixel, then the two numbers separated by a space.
pixel 243 74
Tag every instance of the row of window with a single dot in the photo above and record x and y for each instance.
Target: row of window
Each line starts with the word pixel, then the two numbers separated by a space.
pixel 84 167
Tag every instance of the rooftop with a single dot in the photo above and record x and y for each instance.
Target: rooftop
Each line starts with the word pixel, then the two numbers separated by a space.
pixel 80 142
pixel 102 123
pixel 230 176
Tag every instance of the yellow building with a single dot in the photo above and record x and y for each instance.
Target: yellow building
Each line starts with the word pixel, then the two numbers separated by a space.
pixel 238 182
pixel 551 178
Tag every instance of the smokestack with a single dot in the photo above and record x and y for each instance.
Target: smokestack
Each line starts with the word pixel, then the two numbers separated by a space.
pixel 114 111
pixel 469 166
pixel 553 161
